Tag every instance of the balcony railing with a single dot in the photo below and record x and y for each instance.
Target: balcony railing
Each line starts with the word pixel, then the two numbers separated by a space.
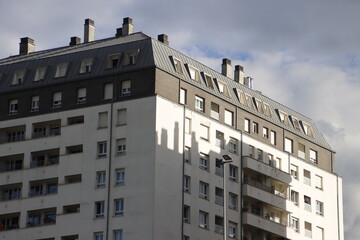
pixel 266 216
pixel 219 229
pixel 11 167
pixel 307 207
pixel 219 200
pixel 8 227
pixel 307 181
pixel 265 188
pixel 51 132
pixel 219 171
pixel 13 196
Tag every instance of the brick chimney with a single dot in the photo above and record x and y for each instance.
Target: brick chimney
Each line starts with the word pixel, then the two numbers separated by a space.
pixel 74 41
pixel 89 30
pixel 27 45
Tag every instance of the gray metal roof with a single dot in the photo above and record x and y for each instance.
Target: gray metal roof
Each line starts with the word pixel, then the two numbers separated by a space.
pixel 152 53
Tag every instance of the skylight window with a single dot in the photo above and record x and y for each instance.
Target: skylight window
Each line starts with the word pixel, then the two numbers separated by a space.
pixel 284 118
pixel 208 80
pixel 307 129
pixel 61 70
pixel 296 124
pixel 259 105
pixel 40 74
pixel 86 65
pixel 18 77
pixel 223 88
pixel 177 65
pixel 241 96
pixel 267 110
pixel 248 100
pixel 194 73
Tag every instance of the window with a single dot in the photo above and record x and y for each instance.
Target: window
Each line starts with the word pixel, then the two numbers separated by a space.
pixel 288 145
pixel 131 57
pixel 187 184
pixel 241 96
pixel 98 236
pixel 122 116
pixel 233 173
pixel 318 182
pixel 219 224
pixel 13 106
pixel 113 61
pixel 40 74
pixel 108 91
pixel 182 99
pixel 118 235
pixel 73 178
pixel 203 190
pixel 75 120
pixel 307 177
pixel 294 197
pixel 57 97
pixel 307 129
pixel 233 201
pixel 294 171
pixel 220 141
pixel 86 65
pixel 219 196
pixel 308 231
pixel 313 156
pixel 232 230
pixel 301 150
pixel 120 176
pixel 267 110
pixel 255 127
pixel 307 203
pixel 265 132
pixel 10 192
pixel 126 88
pixel 186 213
pixel 177 65
pixel 319 208
pixel 18 77
pixel 102 149
pixel 247 125
pixel 121 146
pixel 249 102
pixel 273 137
pixel 194 74
pixel 219 167
pixel 284 118
pixel 203 219
pixel 229 118
pixel 35 103
pixel 204 161
pixel 187 125
pixel 233 145
pixel 260 154
pixel 320 233
pixel 81 95
pixel 103 120
pixel 294 223
pixel 119 207
pixel 215 112
pixel 100 179
pixel 199 104
pixel 61 70
pixel 259 105
pixel 296 123
pixel 208 81
pixel 187 155
pixel 71 209
pixel 204 132
pixel 223 89
pixel 99 209
pixel 251 151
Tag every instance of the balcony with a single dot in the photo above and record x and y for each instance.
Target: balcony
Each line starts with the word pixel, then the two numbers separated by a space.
pixel 9 221
pixel 266 169
pixel 263 221
pixel 43 158
pixel 41 217
pixel 12 134
pixel 46 129
pixel 11 163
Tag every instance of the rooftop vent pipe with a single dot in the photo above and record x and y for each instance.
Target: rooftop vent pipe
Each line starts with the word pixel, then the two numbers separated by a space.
pixel 163 38
pixel 74 41
pixel 127 27
pixel 89 30
pixel 239 74
pixel 249 81
pixel 27 45
pixel 226 68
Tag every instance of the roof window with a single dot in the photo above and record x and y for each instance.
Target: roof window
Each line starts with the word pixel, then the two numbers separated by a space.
pixel 86 65
pixel 267 110
pixel 40 74
pixel 194 73
pixel 113 60
pixel 18 77
pixel 296 124
pixel 259 105
pixel 241 96
pixel 61 70
pixel 131 57
pixel 248 100
pixel 208 80
pixel 284 118
pixel 307 129
pixel 223 88
pixel 177 65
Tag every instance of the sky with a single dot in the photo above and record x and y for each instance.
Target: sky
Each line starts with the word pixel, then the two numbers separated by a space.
pixel 304 54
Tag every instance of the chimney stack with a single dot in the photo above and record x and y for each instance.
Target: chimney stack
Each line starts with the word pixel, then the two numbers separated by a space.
pixel 27 45
pixel 226 68
pixel 89 30
pixel 127 27
pixel 239 74
pixel 249 82
pixel 74 41
pixel 118 32
pixel 163 38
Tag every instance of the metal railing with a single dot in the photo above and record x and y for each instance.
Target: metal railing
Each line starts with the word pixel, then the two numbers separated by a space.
pixel 266 216
pixel 265 188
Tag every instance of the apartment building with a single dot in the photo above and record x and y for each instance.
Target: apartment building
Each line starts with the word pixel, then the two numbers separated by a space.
pixel 128 138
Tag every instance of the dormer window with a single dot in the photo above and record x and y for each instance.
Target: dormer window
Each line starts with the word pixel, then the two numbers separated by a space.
pixel 241 96
pixel 177 65
pixel 259 105
pixel 223 88
pixel 86 65
pixel 61 70
pixel 267 110
pixel 284 118
pixel 194 73
pixel 40 74
pixel 296 124
pixel 208 80
pixel 131 57
pixel 113 61
pixel 248 100
pixel 18 77
pixel 307 129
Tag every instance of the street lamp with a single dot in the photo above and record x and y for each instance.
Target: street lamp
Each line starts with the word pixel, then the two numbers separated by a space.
pixel 226 159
